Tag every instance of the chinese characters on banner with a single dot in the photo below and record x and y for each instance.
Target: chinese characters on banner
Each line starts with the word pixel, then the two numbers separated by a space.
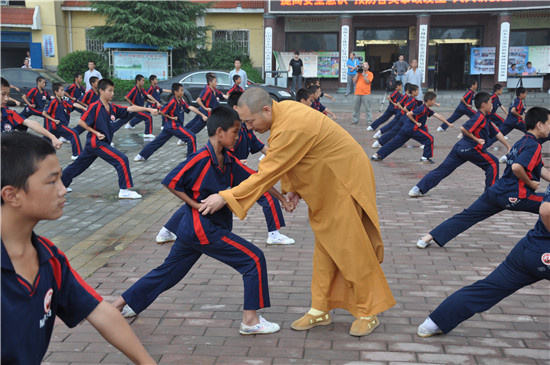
pixel 503 51
pixel 128 64
pixel 422 47
pixel 49 49
pixel 268 48
pixel 344 47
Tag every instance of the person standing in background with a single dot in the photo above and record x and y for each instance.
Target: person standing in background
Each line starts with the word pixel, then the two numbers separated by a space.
pixel 363 81
pixel 297 67
pixel 91 72
pixel 238 71
pixel 414 76
pixel 352 65
pixel 399 69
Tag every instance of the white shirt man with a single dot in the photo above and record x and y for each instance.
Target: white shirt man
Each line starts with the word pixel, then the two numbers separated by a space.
pixel 91 72
pixel 238 71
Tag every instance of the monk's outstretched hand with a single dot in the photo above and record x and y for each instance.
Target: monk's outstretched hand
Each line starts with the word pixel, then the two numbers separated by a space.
pixel 293 199
pixel 211 204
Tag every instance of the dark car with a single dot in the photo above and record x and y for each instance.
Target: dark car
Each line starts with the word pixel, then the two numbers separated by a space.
pixel 25 79
pixel 194 81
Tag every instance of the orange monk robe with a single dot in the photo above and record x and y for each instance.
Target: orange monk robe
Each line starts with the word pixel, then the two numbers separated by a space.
pixel 313 156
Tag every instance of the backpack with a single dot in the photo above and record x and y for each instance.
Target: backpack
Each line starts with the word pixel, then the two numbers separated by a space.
pixel 391 82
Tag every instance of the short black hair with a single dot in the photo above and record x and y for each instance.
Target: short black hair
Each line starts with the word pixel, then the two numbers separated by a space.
pixel 412 87
pixel 210 77
pixel 297 53
pixel 532 117
pixel 222 117
pixel 313 89
pixel 302 94
pixel 520 90
pixel 528 63
pixel 57 86
pixel 139 77
pixel 472 82
pixel 480 98
pixel 497 87
pixel 152 77
pixel 237 59
pixel 93 79
pixel 397 83
pixel 39 78
pixel 430 95
pixel 512 65
pixel 175 87
pixel 21 153
pixel 5 83
pixel 234 98
pixel 92 61
pixel 104 83
pixel 236 77
pixel 406 87
pixel 75 76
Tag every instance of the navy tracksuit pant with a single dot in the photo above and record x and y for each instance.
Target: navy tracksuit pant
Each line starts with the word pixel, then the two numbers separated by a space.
pixel 270 206
pixel 522 267
pixel 460 110
pixel 495 118
pixel 406 133
pixel 458 156
pixel 104 151
pixel 487 205
pixel 391 110
pixel 230 249
pixel 69 134
pixel 507 127
pixel 388 127
pixel 393 131
pixel 135 118
pixel 196 124
pixel 185 135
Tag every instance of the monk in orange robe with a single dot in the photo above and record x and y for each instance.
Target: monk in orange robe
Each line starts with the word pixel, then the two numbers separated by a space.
pixel 318 161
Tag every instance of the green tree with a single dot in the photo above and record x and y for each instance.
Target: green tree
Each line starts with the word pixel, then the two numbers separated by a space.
pixel 163 24
pixel 77 62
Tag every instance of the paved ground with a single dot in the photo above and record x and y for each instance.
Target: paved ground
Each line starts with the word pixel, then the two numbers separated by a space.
pixel 111 243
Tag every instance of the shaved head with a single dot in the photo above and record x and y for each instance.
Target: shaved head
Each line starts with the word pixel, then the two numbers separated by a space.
pixel 255 99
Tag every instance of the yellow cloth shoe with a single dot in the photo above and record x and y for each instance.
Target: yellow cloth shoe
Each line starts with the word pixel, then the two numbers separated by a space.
pixel 364 326
pixel 309 321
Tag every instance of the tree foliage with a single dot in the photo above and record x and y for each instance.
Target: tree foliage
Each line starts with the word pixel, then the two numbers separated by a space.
pixel 77 62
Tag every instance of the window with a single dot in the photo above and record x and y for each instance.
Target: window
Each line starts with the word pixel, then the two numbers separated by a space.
pixel 530 37
pixel 311 42
pixel 13 76
pixel 223 78
pixel 238 37
pixel 92 44
pixel 28 77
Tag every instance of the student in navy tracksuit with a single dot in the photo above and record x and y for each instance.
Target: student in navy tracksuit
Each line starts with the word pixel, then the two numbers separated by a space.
pixel 208 101
pixel 401 100
pixel 210 170
pixel 515 190
pixel 98 121
pixel 414 127
pixel 514 120
pixel 392 108
pixel 154 90
pixel 495 101
pixel 137 97
pixel 390 130
pixel 88 98
pixel 12 121
pixel 76 90
pixel 237 85
pixel 57 116
pixel 315 92
pixel 36 99
pixel 173 126
pixel 526 264
pixel 464 107
pixel 471 147
pixel 38 283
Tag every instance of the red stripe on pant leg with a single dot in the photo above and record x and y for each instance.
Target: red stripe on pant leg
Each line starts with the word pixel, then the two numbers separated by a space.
pixel 535 198
pixel 74 136
pixel 273 210
pixel 256 260
pixel 431 139
pixel 150 119
pixel 192 138
pixel 488 158
pixel 121 161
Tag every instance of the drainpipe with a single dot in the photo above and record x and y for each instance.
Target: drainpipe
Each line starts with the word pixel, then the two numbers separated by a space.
pixel 70 33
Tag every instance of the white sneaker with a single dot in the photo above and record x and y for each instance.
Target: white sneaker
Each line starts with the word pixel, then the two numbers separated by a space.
pixel 377 135
pixel 148 136
pixel 369 128
pixel 505 137
pixel 421 147
pixel 165 236
pixel 423 331
pixel 128 194
pixel 262 328
pixel 139 158
pixel 74 157
pixel 376 144
pixel 422 244
pixel 128 126
pixel 128 312
pixel 439 129
pixel 69 190
pixel 503 159
pixel 64 140
pixel 112 144
pixel 181 143
pixel 415 192
pixel 459 136
pixel 280 239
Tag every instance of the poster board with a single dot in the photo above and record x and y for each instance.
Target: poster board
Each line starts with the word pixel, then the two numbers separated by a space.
pixel 308 58
pixel 482 60
pixel 127 64
pixel 539 56
pixel 328 64
pixel 519 57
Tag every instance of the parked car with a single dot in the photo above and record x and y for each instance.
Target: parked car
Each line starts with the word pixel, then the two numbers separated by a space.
pixel 25 79
pixel 194 81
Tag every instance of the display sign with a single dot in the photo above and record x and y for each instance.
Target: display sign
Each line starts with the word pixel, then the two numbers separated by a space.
pixel 422 49
pixel 518 56
pixel 503 51
pixel 344 46
pixel 129 64
pixel 309 59
pixel 380 6
pixel 539 56
pixel 49 46
pixel 268 48
pixel 482 60
pixel 328 64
